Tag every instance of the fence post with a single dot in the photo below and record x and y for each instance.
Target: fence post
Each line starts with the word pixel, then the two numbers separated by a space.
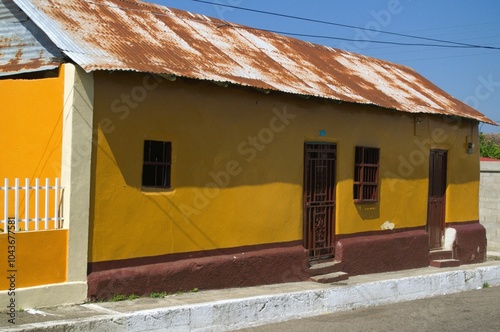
pixel 27 203
pixel 47 203
pixel 16 203
pixel 37 202
pixel 56 204
pixel 6 205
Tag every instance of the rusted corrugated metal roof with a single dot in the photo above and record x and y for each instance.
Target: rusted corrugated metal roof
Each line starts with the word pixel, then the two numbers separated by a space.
pixel 139 36
pixel 23 46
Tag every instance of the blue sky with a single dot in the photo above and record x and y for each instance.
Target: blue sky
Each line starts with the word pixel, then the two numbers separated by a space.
pixel 471 75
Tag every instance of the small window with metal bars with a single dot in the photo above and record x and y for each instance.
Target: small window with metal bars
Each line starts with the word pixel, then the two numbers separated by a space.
pixel 366 168
pixel 157 164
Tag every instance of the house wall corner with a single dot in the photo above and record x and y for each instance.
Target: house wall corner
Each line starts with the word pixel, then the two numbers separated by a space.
pixel 76 168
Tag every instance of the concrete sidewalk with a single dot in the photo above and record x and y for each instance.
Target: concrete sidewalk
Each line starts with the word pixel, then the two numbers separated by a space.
pixel 232 309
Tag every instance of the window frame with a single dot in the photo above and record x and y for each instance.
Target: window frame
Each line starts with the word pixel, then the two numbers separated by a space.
pixel 162 166
pixel 365 165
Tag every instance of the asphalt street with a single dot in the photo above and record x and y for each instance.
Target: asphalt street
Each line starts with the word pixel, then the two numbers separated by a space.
pixel 477 310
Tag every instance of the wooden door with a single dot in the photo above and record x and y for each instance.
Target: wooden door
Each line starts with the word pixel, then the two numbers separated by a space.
pixel 437 197
pixel 319 199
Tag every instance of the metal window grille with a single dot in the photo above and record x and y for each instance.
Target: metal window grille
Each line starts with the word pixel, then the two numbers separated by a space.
pixel 157 163
pixel 366 170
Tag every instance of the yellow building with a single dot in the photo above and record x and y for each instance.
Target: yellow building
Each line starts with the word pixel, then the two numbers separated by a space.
pixel 199 157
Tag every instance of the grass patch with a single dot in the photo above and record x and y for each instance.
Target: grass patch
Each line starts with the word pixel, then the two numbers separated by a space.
pixel 121 297
pixel 158 295
pixel 486 285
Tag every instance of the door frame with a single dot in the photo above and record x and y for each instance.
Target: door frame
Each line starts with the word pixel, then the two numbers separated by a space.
pixel 319 199
pixel 436 197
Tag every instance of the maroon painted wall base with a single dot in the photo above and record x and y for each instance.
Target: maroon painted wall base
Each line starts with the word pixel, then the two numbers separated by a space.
pixel 383 253
pixel 470 243
pixel 246 268
pixel 276 263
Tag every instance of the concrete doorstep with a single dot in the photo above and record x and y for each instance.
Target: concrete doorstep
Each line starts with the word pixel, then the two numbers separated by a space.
pixel 232 309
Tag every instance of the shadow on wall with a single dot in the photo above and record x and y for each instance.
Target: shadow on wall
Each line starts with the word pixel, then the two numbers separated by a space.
pixel 368 211
pixel 244 137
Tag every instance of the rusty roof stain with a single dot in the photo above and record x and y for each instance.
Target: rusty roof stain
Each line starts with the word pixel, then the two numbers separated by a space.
pixel 144 37
pixel 23 46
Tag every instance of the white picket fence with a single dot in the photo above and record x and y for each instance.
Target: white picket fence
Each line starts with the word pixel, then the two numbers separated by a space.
pixel 32 207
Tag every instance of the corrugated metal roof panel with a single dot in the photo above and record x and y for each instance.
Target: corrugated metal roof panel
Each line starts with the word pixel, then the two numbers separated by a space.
pixel 23 46
pixel 139 36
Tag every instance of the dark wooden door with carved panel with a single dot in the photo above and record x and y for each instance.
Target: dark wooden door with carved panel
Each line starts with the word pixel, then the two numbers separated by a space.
pixel 437 197
pixel 319 199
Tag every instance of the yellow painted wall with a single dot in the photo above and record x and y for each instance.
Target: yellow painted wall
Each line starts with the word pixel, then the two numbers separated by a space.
pixel 40 258
pixel 462 194
pixel 31 143
pixel 32 132
pixel 31 147
pixel 234 136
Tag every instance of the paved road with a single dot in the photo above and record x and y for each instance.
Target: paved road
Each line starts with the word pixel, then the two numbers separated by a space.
pixel 477 310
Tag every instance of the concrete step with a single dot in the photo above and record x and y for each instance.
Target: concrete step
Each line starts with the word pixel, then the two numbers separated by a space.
pixel 440 254
pixel 445 263
pixel 325 267
pixel 330 277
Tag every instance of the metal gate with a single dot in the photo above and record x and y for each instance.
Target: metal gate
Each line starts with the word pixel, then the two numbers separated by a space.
pixel 319 199
pixel 437 197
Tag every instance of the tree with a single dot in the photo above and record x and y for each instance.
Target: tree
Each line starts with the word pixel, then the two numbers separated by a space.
pixel 489 146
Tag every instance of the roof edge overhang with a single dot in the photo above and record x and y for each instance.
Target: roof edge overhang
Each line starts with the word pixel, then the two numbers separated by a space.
pixel 28 70
pixel 171 76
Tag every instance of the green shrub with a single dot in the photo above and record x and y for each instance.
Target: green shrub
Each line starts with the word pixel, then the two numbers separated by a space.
pixel 488 147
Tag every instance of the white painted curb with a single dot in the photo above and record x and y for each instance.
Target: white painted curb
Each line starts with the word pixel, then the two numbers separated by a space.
pixel 225 315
